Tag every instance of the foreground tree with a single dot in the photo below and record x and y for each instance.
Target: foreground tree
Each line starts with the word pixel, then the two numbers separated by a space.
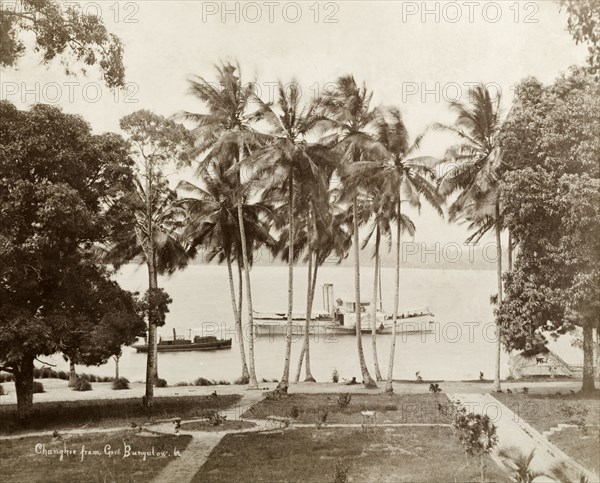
pixel 62 191
pixel 475 171
pixel 552 208
pixel 60 31
pixel 153 237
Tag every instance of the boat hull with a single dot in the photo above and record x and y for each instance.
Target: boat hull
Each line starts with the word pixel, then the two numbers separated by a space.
pixel 280 328
pixel 206 346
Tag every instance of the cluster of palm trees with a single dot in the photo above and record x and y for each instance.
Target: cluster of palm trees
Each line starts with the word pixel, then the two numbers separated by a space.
pixel 302 178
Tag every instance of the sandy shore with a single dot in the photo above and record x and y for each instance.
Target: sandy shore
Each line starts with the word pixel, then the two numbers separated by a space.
pixel 57 389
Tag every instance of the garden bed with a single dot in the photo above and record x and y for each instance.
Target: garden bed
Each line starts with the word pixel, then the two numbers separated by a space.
pixel 112 412
pixel 310 408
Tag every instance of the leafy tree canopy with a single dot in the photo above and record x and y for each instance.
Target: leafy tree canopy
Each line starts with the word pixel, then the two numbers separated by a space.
pixel 584 26
pixel 63 32
pixel 551 141
pixel 61 194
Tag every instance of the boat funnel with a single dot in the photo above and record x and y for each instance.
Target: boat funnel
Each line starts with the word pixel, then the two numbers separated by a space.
pixel 328 301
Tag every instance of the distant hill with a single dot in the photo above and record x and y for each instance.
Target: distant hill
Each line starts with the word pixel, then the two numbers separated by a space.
pixel 448 256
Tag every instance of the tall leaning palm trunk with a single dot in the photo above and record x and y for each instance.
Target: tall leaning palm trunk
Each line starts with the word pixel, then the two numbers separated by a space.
pixel 498 229
pixel 389 388
pixel 367 379
pixel 285 378
pixel 376 278
pixel 253 383
pixel 237 314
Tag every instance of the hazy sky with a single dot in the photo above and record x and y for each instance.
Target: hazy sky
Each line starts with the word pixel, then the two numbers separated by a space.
pixel 416 55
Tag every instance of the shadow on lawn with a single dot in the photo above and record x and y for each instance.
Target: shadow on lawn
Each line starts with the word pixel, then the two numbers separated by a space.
pixel 111 412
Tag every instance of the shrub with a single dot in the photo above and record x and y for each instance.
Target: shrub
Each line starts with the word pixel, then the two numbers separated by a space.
pixel 181 384
pixel 5 377
pixel 294 412
pixel 82 384
pixel 323 416
pixel 215 418
pixel 434 388
pixel 2 391
pixel 418 377
pixel 340 472
pixel 37 387
pixel 241 381
pixel 161 383
pixel 525 390
pixel 335 376
pixel 62 375
pixel 343 400
pixel 223 382
pixel 120 384
pixel 202 381
pixel 391 407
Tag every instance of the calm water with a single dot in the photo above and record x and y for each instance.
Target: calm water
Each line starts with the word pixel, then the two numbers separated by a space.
pixel 462 346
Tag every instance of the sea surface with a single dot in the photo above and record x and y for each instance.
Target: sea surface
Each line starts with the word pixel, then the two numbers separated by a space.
pixel 462 346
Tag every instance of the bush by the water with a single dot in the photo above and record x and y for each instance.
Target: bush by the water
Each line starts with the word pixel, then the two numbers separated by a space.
pixel 182 384
pixel 37 387
pixel 201 381
pixel 82 384
pixel 6 377
pixel 161 383
pixel 120 384
pixel 49 373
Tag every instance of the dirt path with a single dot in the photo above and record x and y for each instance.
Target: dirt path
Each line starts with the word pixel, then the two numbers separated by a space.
pixel 514 432
pixel 183 469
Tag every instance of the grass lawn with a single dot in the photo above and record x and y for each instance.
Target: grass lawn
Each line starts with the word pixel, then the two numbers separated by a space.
pixel 543 411
pixel 302 454
pixel 24 460
pixel 407 408
pixel 546 411
pixel 111 412
pixel 224 426
pixel 584 446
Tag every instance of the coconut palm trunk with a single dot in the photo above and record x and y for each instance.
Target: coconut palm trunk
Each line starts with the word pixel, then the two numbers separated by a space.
pixel 238 321
pixel 374 306
pixel 497 387
pixel 285 378
pixel 311 298
pixel 253 383
pixel 389 387
pixel 367 379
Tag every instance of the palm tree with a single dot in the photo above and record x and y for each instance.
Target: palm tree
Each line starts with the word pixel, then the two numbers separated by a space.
pixel 380 226
pixel 474 174
pixel 292 164
pixel 401 179
pixel 228 123
pixel 348 112
pixel 212 225
pixel 156 222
